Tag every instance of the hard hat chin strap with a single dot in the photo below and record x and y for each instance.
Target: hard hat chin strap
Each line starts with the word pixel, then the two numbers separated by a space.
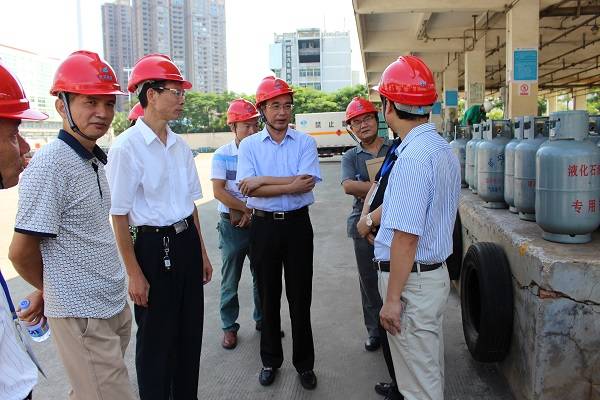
pixel 65 98
pixel 1 182
pixel 263 119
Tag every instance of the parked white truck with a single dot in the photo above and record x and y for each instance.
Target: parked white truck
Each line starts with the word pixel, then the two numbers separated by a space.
pixel 328 129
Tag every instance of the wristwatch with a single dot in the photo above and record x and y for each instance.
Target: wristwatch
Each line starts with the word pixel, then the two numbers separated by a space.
pixel 369 220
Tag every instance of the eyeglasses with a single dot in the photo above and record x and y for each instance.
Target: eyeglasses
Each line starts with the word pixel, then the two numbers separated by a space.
pixel 358 123
pixel 278 107
pixel 176 92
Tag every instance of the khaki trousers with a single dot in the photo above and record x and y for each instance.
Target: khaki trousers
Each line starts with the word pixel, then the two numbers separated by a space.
pixel 418 350
pixel 92 352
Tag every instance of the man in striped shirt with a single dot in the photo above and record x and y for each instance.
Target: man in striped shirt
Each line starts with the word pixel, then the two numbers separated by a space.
pixel 415 236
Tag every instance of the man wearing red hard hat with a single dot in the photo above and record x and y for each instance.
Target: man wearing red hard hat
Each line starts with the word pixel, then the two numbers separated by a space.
pixel 18 374
pixel 361 118
pixel 154 184
pixel 233 226
pixel 415 235
pixel 278 168
pixel 135 112
pixel 63 242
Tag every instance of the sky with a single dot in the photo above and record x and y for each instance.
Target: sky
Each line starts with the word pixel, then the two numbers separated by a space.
pixel 49 27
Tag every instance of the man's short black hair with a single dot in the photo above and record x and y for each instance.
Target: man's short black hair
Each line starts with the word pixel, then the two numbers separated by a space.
pixel 403 114
pixel 409 116
pixel 143 96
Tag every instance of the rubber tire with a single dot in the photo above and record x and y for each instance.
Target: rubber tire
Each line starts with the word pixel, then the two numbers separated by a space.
pixel 454 262
pixel 486 299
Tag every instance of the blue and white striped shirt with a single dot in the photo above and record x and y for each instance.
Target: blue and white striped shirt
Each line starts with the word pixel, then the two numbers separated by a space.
pixel 260 155
pixel 422 196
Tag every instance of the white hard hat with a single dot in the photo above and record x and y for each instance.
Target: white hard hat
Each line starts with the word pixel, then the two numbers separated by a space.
pixel 487 106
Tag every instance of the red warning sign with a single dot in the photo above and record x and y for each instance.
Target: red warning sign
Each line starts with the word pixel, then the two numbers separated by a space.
pixel 524 89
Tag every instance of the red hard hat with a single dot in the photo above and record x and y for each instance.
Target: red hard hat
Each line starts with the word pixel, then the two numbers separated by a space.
pixel 136 111
pixel 241 110
pixel 408 81
pixel 84 72
pixel 271 87
pixel 359 106
pixel 13 103
pixel 155 67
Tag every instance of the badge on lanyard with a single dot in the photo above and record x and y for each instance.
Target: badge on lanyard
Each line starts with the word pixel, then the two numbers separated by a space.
pixel 28 348
pixel 18 328
pixel 373 193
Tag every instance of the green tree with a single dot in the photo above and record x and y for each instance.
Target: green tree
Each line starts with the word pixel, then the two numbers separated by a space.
pixel 120 123
pixel 593 102
pixel 541 105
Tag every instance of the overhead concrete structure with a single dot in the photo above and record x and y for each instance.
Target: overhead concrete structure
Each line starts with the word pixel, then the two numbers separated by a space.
pixel 566 33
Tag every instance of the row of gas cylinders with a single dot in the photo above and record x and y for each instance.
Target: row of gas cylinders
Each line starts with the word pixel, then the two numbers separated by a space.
pixel 545 169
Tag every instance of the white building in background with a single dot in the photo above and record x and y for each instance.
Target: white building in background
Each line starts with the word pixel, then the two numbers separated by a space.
pixel 312 58
pixel 36 73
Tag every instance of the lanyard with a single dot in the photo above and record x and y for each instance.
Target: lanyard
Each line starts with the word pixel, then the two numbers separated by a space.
pixel 389 163
pixel 11 306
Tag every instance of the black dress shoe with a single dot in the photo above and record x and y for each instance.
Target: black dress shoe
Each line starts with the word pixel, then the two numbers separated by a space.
pixel 382 388
pixel 308 380
pixel 267 375
pixel 394 395
pixel 389 390
pixel 373 343
pixel 259 327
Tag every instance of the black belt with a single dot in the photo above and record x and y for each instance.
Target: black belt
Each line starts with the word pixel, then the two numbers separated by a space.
pixel 225 215
pixel 176 228
pixel 384 266
pixel 281 215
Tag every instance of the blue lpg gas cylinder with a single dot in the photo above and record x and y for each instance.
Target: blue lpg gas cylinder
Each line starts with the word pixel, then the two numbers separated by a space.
pixel 490 163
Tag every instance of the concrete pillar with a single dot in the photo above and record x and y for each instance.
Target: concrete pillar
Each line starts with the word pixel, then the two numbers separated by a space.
pixel 522 32
pixel 450 80
pixel 475 74
pixel 436 114
pixel 580 101
pixel 552 104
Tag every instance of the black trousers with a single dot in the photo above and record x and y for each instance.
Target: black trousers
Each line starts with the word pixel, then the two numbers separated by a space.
pixel 387 355
pixel 289 244
pixel 169 336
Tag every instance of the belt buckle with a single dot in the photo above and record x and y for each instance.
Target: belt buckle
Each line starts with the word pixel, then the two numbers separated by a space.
pixel 279 215
pixel 180 226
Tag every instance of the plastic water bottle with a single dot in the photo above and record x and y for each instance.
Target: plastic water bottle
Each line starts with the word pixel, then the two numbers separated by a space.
pixel 39 331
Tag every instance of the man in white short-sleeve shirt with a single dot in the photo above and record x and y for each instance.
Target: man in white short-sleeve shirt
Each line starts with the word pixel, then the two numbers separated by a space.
pixel 18 374
pixel 234 221
pixel 154 183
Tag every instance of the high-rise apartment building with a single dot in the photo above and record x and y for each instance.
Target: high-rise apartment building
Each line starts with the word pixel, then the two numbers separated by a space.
pixel 311 58
pixel 36 73
pixel 118 42
pixel 192 32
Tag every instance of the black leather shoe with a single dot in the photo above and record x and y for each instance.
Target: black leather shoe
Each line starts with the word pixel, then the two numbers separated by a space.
pixel 389 390
pixel 382 388
pixel 373 343
pixel 259 327
pixel 308 380
pixel 394 395
pixel 267 375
